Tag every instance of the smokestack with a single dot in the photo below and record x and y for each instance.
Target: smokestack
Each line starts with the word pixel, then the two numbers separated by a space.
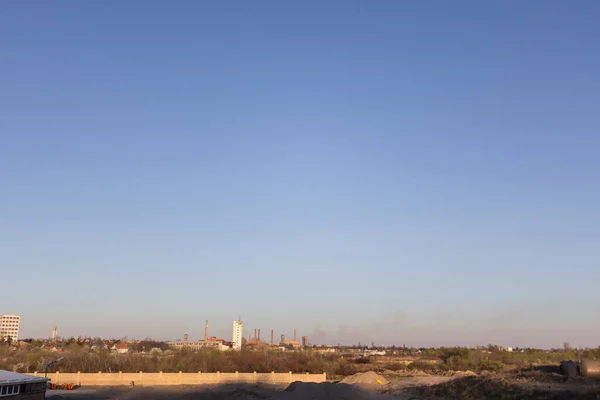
pixel 259 335
pixel 294 335
pixel 271 336
pixel 254 333
pixel 206 331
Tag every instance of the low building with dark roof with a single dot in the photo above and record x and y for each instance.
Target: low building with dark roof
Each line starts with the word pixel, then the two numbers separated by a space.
pixel 15 386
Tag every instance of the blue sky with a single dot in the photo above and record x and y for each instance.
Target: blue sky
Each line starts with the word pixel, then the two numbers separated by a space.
pixel 399 172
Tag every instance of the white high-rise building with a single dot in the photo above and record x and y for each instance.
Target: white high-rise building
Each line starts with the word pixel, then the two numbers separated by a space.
pixel 237 335
pixel 9 327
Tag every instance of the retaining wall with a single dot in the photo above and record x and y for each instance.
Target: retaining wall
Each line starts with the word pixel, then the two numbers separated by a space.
pixel 155 379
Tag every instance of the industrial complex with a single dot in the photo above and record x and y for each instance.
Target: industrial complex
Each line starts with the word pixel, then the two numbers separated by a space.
pixel 237 340
pixel 212 342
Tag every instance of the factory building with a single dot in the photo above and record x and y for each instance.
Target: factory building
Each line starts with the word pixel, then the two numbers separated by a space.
pixel 291 343
pixel 211 343
pixel 9 327
pixel 304 341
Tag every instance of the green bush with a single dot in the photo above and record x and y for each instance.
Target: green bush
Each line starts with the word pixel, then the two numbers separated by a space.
pixel 456 352
pixel 458 363
pixel 396 366
pixel 490 366
pixel 422 365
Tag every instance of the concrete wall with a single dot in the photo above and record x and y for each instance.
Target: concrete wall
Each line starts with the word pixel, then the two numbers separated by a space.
pixel 154 379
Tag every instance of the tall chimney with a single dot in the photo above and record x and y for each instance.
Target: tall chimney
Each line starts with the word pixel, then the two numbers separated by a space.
pixel 294 335
pixel 254 333
pixel 206 331
pixel 271 336
pixel 259 334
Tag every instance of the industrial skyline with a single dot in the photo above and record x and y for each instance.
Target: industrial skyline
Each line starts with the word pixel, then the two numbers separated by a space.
pixel 273 336
pixel 237 337
pixel 254 337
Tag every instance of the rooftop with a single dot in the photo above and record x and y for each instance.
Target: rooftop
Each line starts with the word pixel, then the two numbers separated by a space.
pixel 13 377
pixel 194 342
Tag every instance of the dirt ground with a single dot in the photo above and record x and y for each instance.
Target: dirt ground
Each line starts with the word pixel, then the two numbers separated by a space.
pixel 533 384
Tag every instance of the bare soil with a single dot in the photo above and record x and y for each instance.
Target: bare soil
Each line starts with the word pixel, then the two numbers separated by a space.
pixel 527 384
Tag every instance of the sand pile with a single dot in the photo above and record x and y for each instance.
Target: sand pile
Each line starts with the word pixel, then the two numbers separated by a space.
pixel 461 374
pixel 365 378
pixel 320 391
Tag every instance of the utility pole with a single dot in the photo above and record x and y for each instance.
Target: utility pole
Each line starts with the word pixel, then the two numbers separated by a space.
pixel 50 364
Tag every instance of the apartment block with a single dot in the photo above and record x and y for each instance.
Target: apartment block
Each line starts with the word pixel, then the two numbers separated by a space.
pixel 9 327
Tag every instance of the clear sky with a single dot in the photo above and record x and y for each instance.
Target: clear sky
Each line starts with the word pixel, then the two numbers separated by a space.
pixel 419 172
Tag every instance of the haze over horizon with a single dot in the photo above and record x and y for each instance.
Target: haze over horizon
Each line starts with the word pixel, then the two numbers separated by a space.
pixel 419 173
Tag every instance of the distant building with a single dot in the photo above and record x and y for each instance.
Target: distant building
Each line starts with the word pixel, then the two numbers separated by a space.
pixel 237 335
pixel 210 343
pixel 324 350
pixel 293 343
pixel 305 341
pixel 9 327
pixel 15 386
pixel 374 352
pixel 120 348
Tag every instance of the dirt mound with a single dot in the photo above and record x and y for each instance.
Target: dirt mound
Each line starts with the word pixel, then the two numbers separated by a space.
pixel 244 394
pixel 500 388
pixel 539 376
pixel 416 372
pixel 320 391
pixel 405 373
pixel 462 374
pixel 365 378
